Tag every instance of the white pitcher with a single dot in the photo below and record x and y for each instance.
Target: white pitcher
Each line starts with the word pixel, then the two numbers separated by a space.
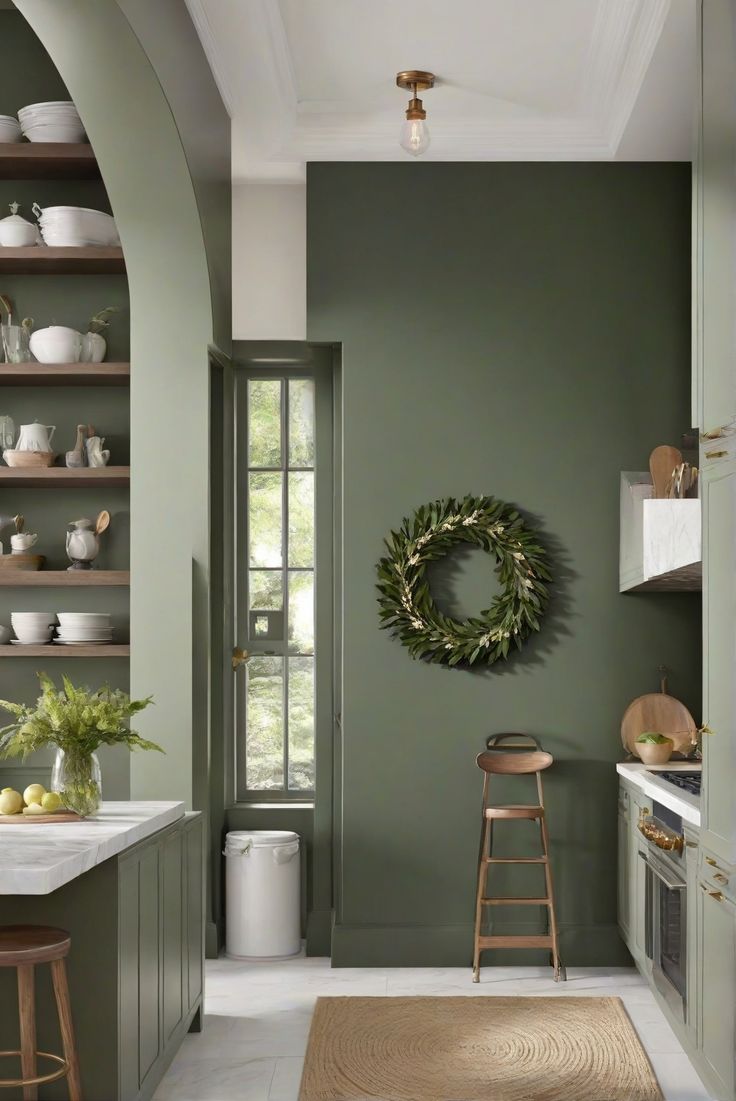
pixel 35 437
pixel 22 541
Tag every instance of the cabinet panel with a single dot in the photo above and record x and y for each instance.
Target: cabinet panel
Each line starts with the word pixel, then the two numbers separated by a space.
pixel 148 960
pixel 624 900
pixel 172 919
pixel 128 901
pixel 719 654
pixel 717 986
pixel 717 194
pixel 195 910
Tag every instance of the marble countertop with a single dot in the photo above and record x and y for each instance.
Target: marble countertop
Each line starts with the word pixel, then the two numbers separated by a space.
pixel 37 858
pixel 645 778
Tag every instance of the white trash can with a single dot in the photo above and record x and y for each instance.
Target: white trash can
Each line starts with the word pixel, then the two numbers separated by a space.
pixel 262 893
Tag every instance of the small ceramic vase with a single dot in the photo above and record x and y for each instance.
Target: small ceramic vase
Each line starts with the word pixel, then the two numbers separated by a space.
pixel 78 456
pixel 82 544
pixel 94 347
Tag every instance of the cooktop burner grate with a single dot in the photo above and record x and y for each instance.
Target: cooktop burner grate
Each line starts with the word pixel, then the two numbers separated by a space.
pixel 686 781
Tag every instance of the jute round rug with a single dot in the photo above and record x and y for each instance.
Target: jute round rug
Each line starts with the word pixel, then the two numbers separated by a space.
pixel 475 1049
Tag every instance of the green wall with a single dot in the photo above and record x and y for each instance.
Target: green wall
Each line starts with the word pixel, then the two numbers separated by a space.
pixel 30 76
pixel 519 330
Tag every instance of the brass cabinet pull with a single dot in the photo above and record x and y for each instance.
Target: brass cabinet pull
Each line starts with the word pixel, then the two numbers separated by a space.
pixel 715 454
pixel 240 657
pixel 711 861
pixel 716 895
pixel 721 878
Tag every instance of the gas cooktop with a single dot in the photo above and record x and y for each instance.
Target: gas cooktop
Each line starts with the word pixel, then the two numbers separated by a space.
pixel 685 781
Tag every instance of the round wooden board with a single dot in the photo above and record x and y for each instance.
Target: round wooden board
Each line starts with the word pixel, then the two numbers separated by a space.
pixel 662 714
pixel 45 819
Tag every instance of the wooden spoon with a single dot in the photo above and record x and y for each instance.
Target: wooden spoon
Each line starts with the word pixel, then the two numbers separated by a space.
pixel 102 523
pixel 662 462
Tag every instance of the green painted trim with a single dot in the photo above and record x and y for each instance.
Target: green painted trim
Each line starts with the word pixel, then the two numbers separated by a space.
pixel 452 946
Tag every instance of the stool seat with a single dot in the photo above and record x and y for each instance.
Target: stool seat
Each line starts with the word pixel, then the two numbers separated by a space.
pixel 515 810
pixel 32 944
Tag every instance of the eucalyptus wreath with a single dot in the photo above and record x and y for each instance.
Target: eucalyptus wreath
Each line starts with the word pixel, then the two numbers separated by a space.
pixel 407 607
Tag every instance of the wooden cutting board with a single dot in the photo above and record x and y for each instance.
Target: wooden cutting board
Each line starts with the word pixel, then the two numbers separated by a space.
pixel 662 462
pixel 662 714
pixel 47 819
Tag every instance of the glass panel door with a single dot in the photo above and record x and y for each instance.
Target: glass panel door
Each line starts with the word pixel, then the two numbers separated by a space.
pixel 276 507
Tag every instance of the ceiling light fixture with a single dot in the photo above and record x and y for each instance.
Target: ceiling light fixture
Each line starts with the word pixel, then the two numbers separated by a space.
pixel 415 132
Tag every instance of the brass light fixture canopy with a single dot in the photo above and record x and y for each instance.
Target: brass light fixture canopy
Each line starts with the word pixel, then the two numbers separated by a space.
pixel 415 80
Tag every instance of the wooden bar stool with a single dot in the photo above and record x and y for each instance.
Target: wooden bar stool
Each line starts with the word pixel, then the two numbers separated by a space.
pixel 523 757
pixel 22 947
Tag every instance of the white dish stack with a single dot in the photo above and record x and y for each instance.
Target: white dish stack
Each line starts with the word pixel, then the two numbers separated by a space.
pixel 9 129
pixel 76 226
pixel 57 120
pixel 84 629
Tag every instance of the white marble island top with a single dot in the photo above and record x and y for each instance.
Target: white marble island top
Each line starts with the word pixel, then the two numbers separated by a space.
pixel 37 858
pixel 645 778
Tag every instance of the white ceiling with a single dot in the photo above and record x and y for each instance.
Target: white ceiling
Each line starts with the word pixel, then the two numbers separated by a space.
pixel 517 79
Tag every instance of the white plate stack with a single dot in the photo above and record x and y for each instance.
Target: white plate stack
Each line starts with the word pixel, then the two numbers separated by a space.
pixel 76 226
pixel 84 629
pixel 57 120
pixel 9 128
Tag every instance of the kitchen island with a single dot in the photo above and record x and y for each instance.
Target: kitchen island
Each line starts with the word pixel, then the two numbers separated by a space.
pixel 127 884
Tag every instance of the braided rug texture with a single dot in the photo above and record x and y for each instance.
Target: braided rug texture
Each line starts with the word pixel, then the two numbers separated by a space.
pixel 475 1049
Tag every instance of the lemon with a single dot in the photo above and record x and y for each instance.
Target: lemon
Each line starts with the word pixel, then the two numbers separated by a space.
pixel 10 801
pixel 34 808
pixel 51 801
pixel 34 793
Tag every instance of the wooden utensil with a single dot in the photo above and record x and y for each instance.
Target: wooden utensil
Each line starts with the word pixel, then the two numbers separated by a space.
pixel 662 463
pixel 103 522
pixel 57 816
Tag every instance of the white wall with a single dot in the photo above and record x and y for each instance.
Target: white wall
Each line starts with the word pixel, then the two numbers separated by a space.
pixel 269 261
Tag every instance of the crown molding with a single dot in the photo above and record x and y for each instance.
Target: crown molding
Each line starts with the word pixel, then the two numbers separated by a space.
pixel 278 134
pixel 198 15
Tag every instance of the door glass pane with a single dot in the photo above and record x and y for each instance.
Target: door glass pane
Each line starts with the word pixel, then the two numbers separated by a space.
pixel 264 422
pixel 301 611
pixel 301 724
pixel 264 739
pixel 301 518
pixel 265 518
pixel 301 422
pixel 266 590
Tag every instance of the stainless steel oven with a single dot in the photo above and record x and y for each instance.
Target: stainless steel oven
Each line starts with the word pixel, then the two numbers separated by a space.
pixel 666 905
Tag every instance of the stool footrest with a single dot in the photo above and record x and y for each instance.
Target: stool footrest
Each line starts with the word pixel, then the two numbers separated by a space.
pixel 515 942
pixel 505 901
pixel 515 860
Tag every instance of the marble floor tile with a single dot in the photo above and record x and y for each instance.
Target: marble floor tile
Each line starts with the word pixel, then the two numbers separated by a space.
pixel 257 1019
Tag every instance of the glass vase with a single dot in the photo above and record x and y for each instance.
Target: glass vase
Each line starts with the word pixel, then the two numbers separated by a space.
pixel 16 344
pixel 78 780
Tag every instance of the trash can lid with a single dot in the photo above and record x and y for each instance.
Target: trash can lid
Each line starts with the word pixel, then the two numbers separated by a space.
pixel 262 839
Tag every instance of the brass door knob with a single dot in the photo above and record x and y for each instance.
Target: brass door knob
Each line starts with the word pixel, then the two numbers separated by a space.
pixel 240 657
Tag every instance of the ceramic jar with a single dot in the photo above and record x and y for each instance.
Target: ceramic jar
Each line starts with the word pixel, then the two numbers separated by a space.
pixel 57 344
pixel 94 348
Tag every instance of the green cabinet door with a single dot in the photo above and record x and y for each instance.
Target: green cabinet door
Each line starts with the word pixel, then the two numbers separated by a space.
pixel 624 857
pixel 716 985
pixel 715 266
pixel 638 805
pixel 718 491
pixel 149 955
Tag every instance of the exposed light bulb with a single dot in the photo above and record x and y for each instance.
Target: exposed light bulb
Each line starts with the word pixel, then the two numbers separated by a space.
pixel 415 137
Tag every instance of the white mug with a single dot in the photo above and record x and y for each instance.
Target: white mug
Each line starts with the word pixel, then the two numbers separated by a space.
pixel 22 541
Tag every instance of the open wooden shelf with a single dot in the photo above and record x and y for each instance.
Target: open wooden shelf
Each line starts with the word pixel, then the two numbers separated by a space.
pixel 44 477
pixel 46 579
pixel 64 374
pixel 114 650
pixel 47 161
pixel 42 260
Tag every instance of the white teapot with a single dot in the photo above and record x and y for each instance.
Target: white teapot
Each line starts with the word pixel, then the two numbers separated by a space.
pixel 35 437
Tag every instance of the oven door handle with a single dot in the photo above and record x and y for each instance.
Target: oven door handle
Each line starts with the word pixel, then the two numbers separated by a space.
pixel 656 870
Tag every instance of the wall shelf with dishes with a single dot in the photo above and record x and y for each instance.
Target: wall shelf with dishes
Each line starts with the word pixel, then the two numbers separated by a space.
pixel 47 143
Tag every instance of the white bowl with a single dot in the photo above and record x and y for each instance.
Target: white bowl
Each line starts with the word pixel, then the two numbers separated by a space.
pixel 28 617
pixel 69 621
pixel 56 344
pixel 59 133
pixel 17 235
pixel 9 129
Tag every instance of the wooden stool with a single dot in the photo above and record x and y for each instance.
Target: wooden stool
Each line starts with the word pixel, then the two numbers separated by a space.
pixel 22 947
pixel 520 758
